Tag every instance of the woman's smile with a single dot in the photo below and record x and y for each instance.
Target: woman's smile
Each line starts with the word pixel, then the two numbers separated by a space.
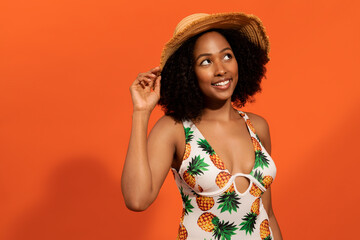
pixel 222 84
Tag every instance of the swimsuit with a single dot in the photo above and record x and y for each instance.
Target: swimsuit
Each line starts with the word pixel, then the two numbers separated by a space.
pixel 213 208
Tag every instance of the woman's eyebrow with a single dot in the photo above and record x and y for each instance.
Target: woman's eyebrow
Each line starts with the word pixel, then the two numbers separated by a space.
pixel 209 54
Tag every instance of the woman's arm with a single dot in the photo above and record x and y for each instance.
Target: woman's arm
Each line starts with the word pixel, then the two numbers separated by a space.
pixel 262 130
pixel 148 159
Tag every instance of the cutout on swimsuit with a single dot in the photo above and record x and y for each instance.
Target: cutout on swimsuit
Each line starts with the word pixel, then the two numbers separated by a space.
pixel 241 184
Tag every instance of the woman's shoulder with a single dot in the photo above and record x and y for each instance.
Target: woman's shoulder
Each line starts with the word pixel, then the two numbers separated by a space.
pixel 261 128
pixel 168 121
pixel 167 125
pixel 257 120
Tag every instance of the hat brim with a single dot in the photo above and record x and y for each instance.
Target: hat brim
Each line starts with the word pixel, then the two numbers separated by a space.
pixel 248 24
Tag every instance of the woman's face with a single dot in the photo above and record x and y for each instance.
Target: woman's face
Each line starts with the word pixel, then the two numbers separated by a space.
pixel 215 67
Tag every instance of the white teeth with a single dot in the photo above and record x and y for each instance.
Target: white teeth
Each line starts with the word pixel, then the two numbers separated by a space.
pixel 222 83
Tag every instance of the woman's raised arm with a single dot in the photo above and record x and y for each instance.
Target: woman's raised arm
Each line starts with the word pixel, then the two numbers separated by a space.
pixel 148 160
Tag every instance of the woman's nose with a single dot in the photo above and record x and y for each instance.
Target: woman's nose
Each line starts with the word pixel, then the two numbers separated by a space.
pixel 219 69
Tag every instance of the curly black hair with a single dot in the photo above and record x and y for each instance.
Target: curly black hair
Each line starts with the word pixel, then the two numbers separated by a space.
pixel 180 95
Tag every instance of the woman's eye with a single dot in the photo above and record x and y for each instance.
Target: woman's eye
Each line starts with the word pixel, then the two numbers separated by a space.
pixel 227 56
pixel 205 62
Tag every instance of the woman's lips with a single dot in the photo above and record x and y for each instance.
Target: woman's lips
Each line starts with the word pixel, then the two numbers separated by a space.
pixel 223 84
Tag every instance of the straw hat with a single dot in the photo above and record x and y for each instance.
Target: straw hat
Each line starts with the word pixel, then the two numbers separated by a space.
pixel 248 24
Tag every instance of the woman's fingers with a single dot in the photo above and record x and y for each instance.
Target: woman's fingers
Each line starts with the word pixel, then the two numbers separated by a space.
pixel 147 76
pixel 155 70
pixel 152 74
pixel 143 81
pixel 145 90
pixel 149 79
pixel 156 87
pixel 142 84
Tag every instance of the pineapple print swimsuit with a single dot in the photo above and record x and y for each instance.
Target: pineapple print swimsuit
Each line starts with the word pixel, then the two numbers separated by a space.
pixel 212 206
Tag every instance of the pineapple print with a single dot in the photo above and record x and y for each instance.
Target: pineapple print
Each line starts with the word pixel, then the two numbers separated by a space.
pixel 182 216
pixel 250 125
pixel 222 179
pixel 250 218
pixel 255 190
pixel 265 230
pixel 195 168
pixel 231 188
pixel 255 207
pixel 205 221
pixel 213 156
pixel 229 200
pixel 221 229
pixel 260 158
pixel 186 202
pixel 265 181
pixel 182 234
pixel 205 203
pixel 226 215
pixel 188 138
pixel 257 137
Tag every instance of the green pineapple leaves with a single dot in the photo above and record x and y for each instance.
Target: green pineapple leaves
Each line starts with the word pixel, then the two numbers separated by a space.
pixel 223 230
pixel 188 134
pixel 229 201
pixel 249 223
pixel 205 146
pixel 261 160
pixel 186 201
pixel 197 166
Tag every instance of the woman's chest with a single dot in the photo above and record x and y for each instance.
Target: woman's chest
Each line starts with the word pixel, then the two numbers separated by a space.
pixel 214 158
pixel 230 144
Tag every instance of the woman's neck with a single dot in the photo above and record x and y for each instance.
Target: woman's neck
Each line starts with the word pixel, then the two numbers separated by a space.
pixel 219 112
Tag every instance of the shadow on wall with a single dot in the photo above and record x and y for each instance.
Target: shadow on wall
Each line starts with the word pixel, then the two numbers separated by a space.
pixel 81 202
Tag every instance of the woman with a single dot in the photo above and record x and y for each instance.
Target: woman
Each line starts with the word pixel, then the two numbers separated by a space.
pixel 212 63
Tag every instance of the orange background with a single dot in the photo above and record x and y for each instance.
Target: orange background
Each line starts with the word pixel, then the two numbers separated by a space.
pixel 65 115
